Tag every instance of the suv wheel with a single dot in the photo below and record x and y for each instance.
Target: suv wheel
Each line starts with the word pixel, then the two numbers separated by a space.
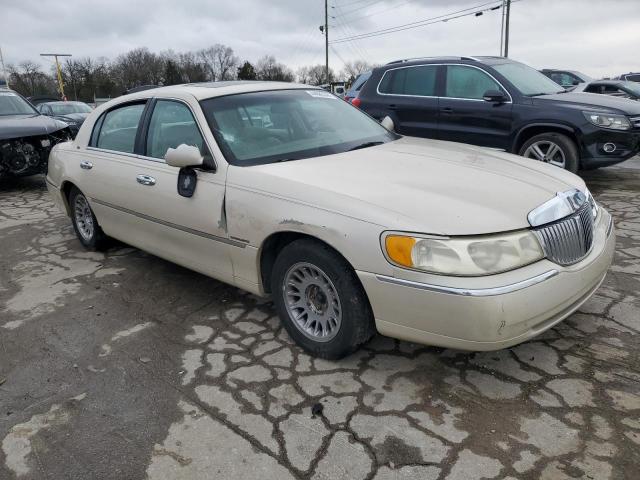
pixel 85 223
pixel 553 148
pixel 320 300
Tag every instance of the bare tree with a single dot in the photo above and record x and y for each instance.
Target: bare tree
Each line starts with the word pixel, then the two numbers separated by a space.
pixel 28 79
pixel 351 70
pixel 267 68
pixel 315 75
pixel 220 62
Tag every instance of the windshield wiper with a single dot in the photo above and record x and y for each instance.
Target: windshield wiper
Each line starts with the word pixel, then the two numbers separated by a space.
pixel 365 145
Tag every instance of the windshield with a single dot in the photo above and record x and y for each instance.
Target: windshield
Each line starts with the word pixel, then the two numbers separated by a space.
pixel 633 88
pixel 13 104
pixel 528 80
pixel 66 108
pixel 265 127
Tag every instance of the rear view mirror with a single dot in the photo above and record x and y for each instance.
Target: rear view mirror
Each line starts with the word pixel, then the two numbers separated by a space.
pixel 184 156
pixel 387 123
pixel 494 96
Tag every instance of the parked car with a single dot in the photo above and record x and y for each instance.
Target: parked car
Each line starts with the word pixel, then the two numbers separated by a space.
pixel 26 137
pixel 616 88
pixel 71 113
pixel 566 78
pixel 499 103
pixel 356 86
pixel 348 226
pixel 629 77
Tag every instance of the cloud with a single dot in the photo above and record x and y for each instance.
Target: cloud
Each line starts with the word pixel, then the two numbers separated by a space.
pixel 600 39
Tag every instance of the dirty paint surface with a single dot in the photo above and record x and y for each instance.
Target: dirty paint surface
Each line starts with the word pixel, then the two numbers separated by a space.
pixel 121 365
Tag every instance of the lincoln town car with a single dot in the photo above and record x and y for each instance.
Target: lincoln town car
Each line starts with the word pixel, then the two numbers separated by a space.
pixel 288 192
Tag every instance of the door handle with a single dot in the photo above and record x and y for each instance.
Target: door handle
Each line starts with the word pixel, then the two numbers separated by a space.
pixel 446 110
pixel 145 180
pixel 86 165
pixel 392 107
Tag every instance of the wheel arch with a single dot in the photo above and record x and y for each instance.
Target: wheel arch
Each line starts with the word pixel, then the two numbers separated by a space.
pixel 273 245
pixel 528 131
pixel 65 189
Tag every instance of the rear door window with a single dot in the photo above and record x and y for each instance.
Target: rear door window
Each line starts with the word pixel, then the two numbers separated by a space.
pixel 416 81
pixel 119 128
pixel 469 83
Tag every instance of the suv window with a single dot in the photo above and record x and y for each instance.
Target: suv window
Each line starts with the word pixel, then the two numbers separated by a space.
pixel 564 78
pixel 632 78
pixel 119 128
pixel 420 81
pixel 468 82
pixel 172 124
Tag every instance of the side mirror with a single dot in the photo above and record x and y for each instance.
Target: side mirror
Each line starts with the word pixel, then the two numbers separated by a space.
pixel 575 82
pixel 387 123
pixel 494 96
pixel 184 156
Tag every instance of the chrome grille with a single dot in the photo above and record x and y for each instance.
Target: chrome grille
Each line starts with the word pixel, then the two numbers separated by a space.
pixel 568 240
pixel 635 121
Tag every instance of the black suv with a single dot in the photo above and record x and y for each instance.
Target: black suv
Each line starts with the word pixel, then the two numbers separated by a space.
pixel 496 102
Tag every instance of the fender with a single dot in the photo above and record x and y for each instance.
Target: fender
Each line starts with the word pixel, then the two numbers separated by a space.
pixel 539 124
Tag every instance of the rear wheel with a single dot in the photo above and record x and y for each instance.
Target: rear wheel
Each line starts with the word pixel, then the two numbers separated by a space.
pixel 552 148
pixel 320 300
pixel 85 223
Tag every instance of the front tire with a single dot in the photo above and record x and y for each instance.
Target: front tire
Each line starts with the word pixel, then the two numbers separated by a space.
pixel 85 223
pixel 320 300
pixel 553 148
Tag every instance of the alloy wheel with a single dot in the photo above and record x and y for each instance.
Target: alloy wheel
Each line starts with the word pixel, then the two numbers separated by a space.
pixel 312 302
pixel 546 151
pixel 83 217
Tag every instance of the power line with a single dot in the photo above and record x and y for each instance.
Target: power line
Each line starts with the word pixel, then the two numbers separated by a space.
pixel 421 23
pixel 418 23
pixel 357 19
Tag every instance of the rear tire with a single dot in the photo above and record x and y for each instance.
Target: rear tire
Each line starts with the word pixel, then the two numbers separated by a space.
pixel 85 223
pixel 553 148
pixel 320 300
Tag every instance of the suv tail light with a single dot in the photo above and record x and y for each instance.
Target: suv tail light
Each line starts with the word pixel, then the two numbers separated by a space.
pixel 356 102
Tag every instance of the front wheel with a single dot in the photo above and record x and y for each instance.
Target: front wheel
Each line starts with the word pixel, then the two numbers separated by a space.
pixel 552 148
pixel 85 223
pixel 320 300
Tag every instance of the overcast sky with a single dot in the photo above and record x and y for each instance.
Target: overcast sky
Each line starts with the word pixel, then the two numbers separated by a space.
pixel 598 37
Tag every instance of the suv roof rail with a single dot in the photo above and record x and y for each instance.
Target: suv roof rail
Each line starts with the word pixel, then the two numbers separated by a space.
pixel 403 60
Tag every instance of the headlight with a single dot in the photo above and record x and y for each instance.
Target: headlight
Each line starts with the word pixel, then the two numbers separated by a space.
pixel 592 203
pixel 464 256
pixel 615 122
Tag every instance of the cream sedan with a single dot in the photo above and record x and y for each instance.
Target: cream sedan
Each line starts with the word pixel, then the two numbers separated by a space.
pixel 285 190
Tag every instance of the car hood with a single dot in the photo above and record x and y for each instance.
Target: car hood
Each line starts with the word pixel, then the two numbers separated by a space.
pixel 590 102
pixel 419 185
pixel 15 126
pixel 72 117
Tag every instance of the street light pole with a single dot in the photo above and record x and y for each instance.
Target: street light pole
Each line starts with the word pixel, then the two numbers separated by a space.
pixel 58 69
pixel 4 69
pixel 506 30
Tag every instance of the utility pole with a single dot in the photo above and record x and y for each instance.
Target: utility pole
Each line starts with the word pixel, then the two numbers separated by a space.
pixel 502 30
pixel 326 40
pixel 506 30
pixel 58 70
pixel 4 69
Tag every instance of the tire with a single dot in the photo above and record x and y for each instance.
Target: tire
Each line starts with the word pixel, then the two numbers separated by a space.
pixel 85 223
pixel 322 284
pixel 565 148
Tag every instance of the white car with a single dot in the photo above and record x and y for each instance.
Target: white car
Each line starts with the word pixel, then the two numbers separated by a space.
pixel 285 190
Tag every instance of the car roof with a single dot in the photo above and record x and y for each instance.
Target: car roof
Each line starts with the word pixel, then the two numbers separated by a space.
pixel 485 59
pixel 62 102
pixel 204 90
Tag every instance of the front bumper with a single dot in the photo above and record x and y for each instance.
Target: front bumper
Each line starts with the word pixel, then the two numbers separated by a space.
pixel 488 313
pixel 594 139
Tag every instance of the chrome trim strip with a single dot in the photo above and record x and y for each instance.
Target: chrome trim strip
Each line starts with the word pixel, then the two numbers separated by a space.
pixel 610 225
pixel 471 292
pixel 192 231
pixel 436 96
pixel 562 205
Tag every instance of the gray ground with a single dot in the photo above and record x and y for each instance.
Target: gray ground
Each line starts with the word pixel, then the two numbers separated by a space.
pixel 123 366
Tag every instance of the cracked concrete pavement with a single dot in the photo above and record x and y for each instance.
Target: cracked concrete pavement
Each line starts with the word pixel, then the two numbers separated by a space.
pixel 124 366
